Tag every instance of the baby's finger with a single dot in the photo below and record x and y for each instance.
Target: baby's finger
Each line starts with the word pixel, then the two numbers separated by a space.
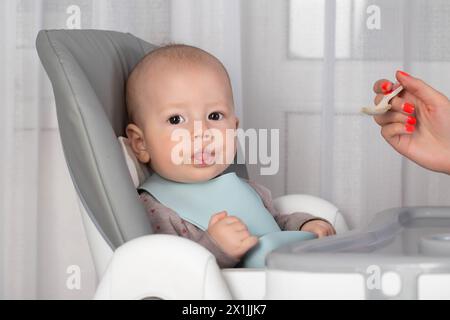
pixel 231 219
pixel 392 117
pixel 238 226
pixel 243 234
pixel 320 232
pixel 391 130
pixel 333 230
pixel 217 217
pixel 248 243
pixel 330 230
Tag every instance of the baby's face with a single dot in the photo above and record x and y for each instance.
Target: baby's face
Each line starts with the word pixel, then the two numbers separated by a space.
pixel 175 97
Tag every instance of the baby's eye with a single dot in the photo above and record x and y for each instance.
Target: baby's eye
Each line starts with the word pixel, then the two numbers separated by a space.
pixel 177 119
pixel 215 116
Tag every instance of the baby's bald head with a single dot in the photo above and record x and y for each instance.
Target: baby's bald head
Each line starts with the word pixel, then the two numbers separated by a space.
pixel 165 59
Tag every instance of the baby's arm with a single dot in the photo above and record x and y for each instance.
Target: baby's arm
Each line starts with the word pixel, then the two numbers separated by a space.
pixel 296 220
pixel 166 221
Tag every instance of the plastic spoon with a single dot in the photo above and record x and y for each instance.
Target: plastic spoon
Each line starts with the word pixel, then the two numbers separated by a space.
pixel 384 105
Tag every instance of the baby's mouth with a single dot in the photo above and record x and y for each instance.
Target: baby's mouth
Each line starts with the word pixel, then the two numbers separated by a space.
pixel 203 158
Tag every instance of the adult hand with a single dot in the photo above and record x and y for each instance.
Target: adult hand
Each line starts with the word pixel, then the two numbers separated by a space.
pixel 418 124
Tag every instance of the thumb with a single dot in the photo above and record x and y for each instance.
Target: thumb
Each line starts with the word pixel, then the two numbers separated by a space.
pixel 217 217
pixel 417 87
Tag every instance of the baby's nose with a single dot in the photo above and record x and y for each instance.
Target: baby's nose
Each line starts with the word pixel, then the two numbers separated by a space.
pixel 206 135
pixel 201 130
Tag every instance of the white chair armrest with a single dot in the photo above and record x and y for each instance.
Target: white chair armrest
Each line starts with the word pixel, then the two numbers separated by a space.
pixel 313 205
pixel 165 267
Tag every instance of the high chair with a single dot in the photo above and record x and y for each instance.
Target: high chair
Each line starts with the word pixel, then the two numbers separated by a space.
pixel 88 70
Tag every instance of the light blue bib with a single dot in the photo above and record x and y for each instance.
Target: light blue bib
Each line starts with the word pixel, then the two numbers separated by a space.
pixel 197 202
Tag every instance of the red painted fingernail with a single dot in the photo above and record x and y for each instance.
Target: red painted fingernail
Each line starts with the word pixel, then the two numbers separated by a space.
pixel 409 128
pixel 386 87
pixel 408 107
pixel 411 120
pixel 403 73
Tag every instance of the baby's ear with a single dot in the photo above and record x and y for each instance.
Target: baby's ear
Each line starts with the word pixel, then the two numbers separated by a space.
pixel 136 139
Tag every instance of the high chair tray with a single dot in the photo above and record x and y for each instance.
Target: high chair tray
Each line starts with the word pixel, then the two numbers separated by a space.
pixel 403 253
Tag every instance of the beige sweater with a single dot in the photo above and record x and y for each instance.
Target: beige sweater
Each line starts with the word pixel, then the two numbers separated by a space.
pixel 164 220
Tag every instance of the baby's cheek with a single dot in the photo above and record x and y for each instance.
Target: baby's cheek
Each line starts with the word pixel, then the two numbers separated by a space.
pixel 229 142
pixel 159 151
pixel 171 154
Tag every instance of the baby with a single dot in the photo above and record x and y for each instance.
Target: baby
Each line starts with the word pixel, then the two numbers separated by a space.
pixel 171 88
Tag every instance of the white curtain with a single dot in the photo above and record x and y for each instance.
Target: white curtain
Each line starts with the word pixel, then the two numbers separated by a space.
pixel 307 81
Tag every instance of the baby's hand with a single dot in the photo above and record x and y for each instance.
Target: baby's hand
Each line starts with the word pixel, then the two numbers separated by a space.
pixel 319 227
pixel 231 234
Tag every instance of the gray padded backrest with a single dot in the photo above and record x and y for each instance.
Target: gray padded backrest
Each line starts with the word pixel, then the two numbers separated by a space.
pixel 88 70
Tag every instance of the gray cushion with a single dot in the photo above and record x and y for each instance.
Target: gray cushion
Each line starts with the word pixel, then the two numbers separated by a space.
pixel 88 70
